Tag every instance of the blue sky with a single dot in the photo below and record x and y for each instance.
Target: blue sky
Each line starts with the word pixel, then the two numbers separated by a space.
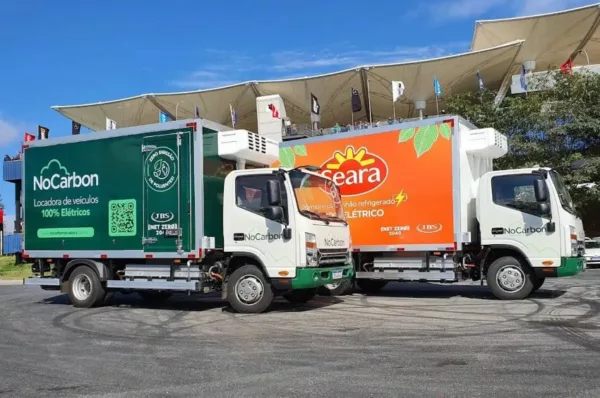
pixel 70 52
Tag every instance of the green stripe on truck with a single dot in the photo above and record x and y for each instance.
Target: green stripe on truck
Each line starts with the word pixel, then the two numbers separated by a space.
pixel 308 278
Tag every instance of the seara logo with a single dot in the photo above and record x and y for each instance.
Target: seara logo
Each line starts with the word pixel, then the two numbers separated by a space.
pixel 54 176
pixel 355 172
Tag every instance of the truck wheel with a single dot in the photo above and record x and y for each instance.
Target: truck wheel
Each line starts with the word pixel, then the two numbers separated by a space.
pixel 248 291
pixel 85 288
pixel 537 283
pixel 335 289
pixel 300 296
pixel 370 286
pixel 508 279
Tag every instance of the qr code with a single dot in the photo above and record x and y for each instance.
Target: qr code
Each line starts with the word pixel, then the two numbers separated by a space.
pixel 122 217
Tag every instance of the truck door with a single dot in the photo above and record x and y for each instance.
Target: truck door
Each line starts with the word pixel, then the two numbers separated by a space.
pixel 167 192
pixel 515 219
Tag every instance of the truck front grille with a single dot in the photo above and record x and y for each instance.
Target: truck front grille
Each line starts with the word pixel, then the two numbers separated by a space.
pixel 328 257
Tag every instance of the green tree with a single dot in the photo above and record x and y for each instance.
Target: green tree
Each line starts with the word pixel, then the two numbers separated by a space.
pixel 551 127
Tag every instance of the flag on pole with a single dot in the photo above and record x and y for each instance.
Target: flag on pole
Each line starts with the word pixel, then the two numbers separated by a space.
pixel 480 81
pixel 436 87
pixel 522 78
pixel 43 132
pixel 233 115
pixel 196 111
pixel 356 102
pixel 397 89
pixel 567 67
pixel 110 124
pixel 162 117
pixel 315 108
pixel 75 128
pixel 28 137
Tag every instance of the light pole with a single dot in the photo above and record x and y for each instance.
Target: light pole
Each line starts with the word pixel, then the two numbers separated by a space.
pixel 176 108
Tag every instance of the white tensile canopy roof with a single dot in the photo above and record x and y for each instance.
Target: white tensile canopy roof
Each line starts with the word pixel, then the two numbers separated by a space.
pixel 550 39
pixel 455 73
pixel 498 48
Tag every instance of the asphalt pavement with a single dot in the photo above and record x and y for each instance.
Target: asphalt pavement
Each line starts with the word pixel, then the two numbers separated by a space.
pixel 411 340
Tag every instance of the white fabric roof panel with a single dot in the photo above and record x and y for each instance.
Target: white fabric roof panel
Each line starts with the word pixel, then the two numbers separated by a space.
pixel 455 74
pixel 550 39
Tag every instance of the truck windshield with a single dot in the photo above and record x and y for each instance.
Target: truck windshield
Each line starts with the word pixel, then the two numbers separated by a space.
pixel 317 197
pixel 563 194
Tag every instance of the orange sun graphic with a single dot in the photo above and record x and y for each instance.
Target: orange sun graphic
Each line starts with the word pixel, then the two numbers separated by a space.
pixel 350 155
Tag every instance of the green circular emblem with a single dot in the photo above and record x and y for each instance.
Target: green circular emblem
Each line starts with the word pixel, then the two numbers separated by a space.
pixel 161 169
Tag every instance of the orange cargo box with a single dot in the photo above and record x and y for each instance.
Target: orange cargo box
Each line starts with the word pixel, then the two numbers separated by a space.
pixel 396 182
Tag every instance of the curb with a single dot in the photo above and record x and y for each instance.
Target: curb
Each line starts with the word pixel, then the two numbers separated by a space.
pixel 11 282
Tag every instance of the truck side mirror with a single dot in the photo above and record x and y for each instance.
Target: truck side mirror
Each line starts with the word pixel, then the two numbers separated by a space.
pixel 274 213
pixel 544 208
pixel 541 190
pixel 273 193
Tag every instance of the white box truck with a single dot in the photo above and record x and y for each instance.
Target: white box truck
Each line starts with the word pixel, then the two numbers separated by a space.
pixel 184 206
pixel 425 204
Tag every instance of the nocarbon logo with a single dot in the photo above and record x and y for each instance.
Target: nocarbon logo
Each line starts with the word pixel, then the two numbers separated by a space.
pixel 334 242
pixel 524 230
pixel 260 236
pixel 54 176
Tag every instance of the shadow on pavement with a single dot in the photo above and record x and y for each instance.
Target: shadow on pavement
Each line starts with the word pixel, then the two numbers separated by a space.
pixel 440 291
pixel 196 302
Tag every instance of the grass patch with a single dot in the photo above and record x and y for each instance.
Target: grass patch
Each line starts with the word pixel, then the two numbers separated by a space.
pixel 10 270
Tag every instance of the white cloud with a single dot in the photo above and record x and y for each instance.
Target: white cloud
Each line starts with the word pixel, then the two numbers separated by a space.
pixel 9 132
pixel 462 9
pixel 287 64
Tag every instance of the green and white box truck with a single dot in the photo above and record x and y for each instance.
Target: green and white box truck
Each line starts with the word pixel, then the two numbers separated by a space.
pixel 183 206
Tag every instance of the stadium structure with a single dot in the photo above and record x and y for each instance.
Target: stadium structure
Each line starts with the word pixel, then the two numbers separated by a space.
pixel 499 50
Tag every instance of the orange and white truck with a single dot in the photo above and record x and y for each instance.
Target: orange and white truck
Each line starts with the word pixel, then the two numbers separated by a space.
pixel 424 204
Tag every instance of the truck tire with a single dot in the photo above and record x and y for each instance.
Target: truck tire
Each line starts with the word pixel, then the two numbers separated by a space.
pixel 371 286
pixel 248 291
pixel 335 289
pixel 85 288
pixel 300 296
pixel 537 283
pixel 508 279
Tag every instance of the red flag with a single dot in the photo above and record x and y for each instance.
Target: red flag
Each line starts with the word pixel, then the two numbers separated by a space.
pixel 29 137
pixel 567 67
pixel 274 111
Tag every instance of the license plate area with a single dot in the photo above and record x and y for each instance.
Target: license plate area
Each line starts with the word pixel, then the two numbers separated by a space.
pixel 337 274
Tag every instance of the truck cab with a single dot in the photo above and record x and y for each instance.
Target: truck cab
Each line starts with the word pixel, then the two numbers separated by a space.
pixel 527 216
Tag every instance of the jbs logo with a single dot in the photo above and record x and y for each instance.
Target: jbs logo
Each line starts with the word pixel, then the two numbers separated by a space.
pixel 429 228
pixel 162 217
pixel 355 172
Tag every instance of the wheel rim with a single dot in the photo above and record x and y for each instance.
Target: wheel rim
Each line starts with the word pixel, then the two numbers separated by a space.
pixel 82 287
pixel 332 286
pixel 249 289
pixel 511 278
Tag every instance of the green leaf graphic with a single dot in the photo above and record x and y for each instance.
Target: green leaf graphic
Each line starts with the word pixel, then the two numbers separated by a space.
pixel 406 134
pixel 300 150
pixel 287 157
pixel 445 131
pixel 425 138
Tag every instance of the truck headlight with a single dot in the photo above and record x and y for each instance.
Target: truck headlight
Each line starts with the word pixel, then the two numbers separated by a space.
pixel 312 259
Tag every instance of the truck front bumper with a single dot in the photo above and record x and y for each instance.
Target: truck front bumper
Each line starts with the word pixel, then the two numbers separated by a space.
pixel 569 266
pixel 310 278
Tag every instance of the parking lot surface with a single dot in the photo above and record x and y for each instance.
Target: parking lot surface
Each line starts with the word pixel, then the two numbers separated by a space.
pixel 410 340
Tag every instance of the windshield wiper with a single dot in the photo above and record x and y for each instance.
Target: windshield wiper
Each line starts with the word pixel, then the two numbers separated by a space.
pixel 317 215
pixel 334 218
